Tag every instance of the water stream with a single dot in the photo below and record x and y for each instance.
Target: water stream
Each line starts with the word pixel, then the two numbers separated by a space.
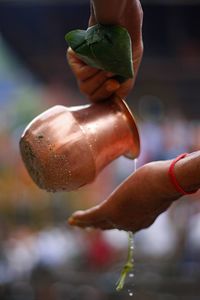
pixel 129 265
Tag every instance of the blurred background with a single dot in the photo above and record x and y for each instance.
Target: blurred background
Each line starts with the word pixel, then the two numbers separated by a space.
pixel 41 257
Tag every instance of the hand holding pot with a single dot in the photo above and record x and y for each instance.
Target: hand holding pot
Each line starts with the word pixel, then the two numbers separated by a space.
pixel 99 85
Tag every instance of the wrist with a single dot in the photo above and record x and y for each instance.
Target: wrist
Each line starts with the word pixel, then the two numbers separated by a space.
pixel 126 13
pixel 187 172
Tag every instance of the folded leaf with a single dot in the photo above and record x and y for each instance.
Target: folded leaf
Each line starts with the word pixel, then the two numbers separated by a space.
pixel 106 47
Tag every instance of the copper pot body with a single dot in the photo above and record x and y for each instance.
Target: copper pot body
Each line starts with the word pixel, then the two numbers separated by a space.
pixel 65 148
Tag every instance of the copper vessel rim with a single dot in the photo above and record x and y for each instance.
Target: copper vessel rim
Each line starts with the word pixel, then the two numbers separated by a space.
pixel 135 149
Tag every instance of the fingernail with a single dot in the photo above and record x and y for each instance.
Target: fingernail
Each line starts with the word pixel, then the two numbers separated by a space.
pixel 112 85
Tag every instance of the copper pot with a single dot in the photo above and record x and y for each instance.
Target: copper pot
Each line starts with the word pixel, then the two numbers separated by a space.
pixel 65 148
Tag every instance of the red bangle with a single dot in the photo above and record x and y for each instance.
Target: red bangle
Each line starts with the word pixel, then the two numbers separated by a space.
pixel 172 176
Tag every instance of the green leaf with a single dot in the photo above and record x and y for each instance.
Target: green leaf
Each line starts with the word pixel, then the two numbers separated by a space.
pixel 104 47
pixel 75 38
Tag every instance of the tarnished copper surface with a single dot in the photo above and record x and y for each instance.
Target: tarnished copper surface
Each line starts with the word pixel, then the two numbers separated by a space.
pixel 65 148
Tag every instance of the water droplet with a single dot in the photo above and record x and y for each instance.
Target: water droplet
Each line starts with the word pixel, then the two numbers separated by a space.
pixel 131 275
pixel 130 292
pixel 135 165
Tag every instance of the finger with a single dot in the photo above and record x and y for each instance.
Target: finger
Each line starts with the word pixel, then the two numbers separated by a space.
pixel 80 69
pixel 92 84
pixel 103 225
pixel 105 90
pixel 125 88
pixel 93 217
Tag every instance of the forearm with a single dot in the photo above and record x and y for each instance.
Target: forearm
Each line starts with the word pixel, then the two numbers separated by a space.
pixel 187 171
pixel 127 13
pixel 108 11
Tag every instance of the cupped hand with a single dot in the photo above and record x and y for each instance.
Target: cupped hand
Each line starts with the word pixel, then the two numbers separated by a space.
pixel 135 204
